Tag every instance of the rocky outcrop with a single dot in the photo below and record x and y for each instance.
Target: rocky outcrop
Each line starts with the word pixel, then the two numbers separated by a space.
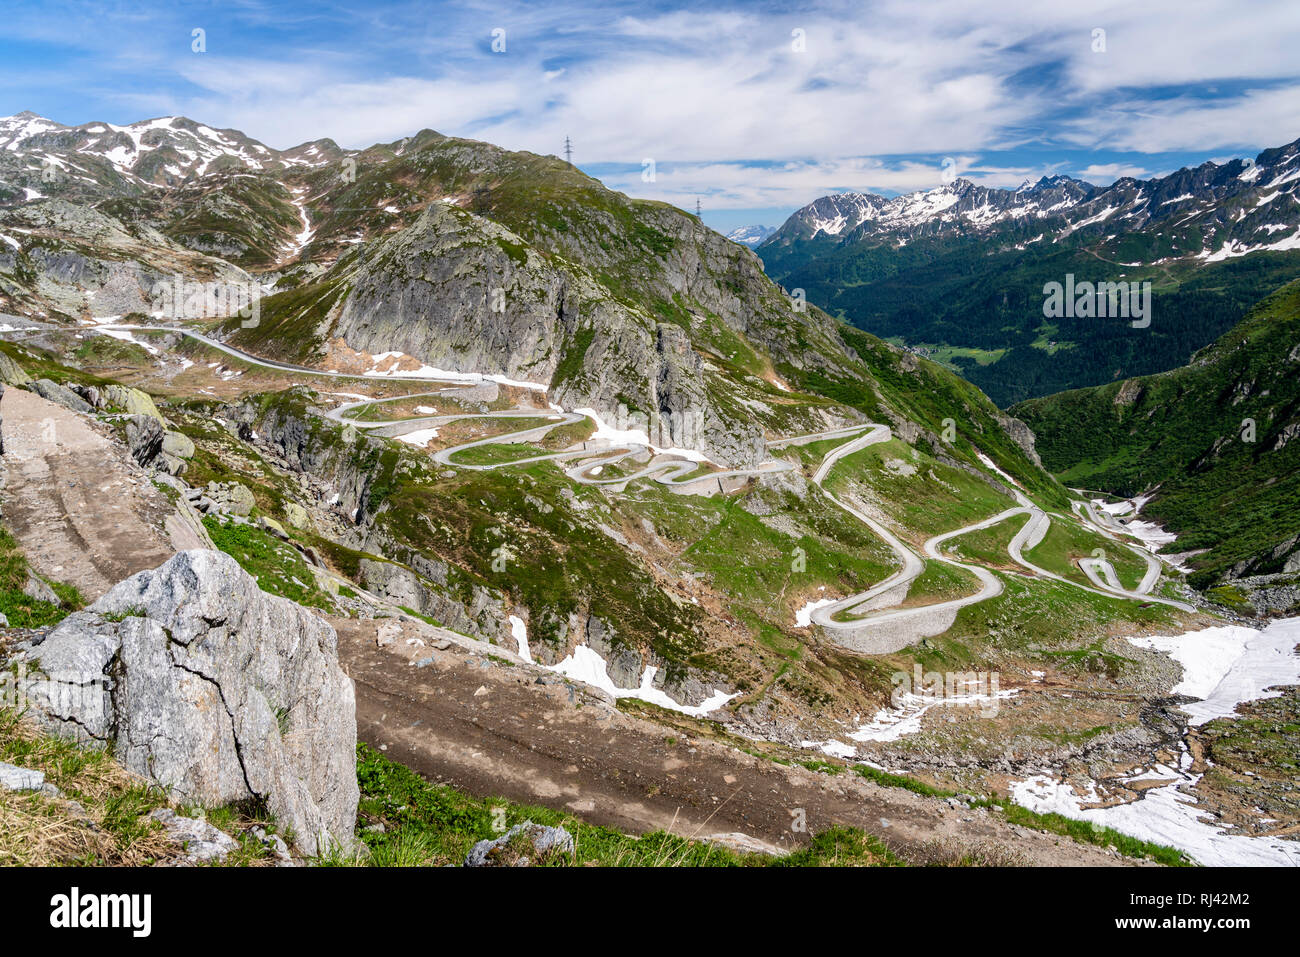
pixel 90 263
pixel 231 497
pixel 214 690
pixel 521 846
pixel 61 395
pixel 11 373
pixel 626 665
pixel 1268 595
pixel 1129 392
pixel 144 438
pixel 1022 435
pixel 131 401
pixel 464 607
pixel 153 446
pixel 201 842
pixel 530 317
pixel 121 399
pixel 335 463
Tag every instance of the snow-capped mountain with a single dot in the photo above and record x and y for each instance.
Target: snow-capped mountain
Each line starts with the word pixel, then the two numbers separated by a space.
pixel 1213 211
pixel 962 267
pixel 750 235
pixel 40 157
pixel 857 215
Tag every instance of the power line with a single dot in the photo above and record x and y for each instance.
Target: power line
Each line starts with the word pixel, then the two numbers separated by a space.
pixel 568 151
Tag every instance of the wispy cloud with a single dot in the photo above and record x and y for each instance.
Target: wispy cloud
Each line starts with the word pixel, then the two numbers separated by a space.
pixel 745 103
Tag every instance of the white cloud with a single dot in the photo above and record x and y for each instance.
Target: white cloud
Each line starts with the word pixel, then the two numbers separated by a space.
pixel 718 96
pixel 1270 117
pixel 1103 174
pixel 742 186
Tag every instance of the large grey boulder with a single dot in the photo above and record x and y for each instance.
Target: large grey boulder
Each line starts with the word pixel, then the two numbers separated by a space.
pixel 59 394
pixel 131 401
pixel 213 689
pixel 297 516
pixel 178 444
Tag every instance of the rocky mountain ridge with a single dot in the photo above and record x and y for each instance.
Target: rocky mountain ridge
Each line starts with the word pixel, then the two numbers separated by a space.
pixel 1236 207
pixel 960 272
pixel 39 157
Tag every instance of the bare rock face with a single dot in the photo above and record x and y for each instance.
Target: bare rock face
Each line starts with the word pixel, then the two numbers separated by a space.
pixel 144 437
pixel 1022 435
pixel 479 615
pixel 213 689
pixel 463 293
pixel 11 373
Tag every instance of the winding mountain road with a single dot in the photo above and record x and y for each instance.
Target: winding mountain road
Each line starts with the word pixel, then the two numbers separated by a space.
pixel 880 627
pixel 867 621
pixel 669 471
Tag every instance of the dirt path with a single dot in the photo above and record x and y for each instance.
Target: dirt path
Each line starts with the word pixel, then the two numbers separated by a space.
pixel 491 729
pixel 83 512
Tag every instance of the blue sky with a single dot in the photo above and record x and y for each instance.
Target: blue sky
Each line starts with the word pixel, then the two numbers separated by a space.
pixel 752 107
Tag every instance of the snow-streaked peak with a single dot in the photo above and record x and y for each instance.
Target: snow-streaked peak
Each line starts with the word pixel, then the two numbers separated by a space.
pixel 842 214
pixel 1226 210
pixel 750 235
pixel 164 150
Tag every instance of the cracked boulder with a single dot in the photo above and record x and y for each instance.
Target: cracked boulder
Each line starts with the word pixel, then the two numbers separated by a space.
pixel 144 437
pixel 213 689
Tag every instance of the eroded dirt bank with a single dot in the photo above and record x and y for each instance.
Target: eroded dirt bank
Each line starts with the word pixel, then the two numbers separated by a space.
pixel 486 725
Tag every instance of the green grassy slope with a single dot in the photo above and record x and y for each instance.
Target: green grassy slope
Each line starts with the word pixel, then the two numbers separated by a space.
pixel 986 294
pixel 1188 431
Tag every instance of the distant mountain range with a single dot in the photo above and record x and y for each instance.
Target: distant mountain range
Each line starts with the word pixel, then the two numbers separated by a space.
pixel 750 235
pixel 957 272
pixel 39 156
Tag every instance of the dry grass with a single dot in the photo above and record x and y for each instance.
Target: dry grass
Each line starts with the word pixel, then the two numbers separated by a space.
pixel 101 818
pixel 983 854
